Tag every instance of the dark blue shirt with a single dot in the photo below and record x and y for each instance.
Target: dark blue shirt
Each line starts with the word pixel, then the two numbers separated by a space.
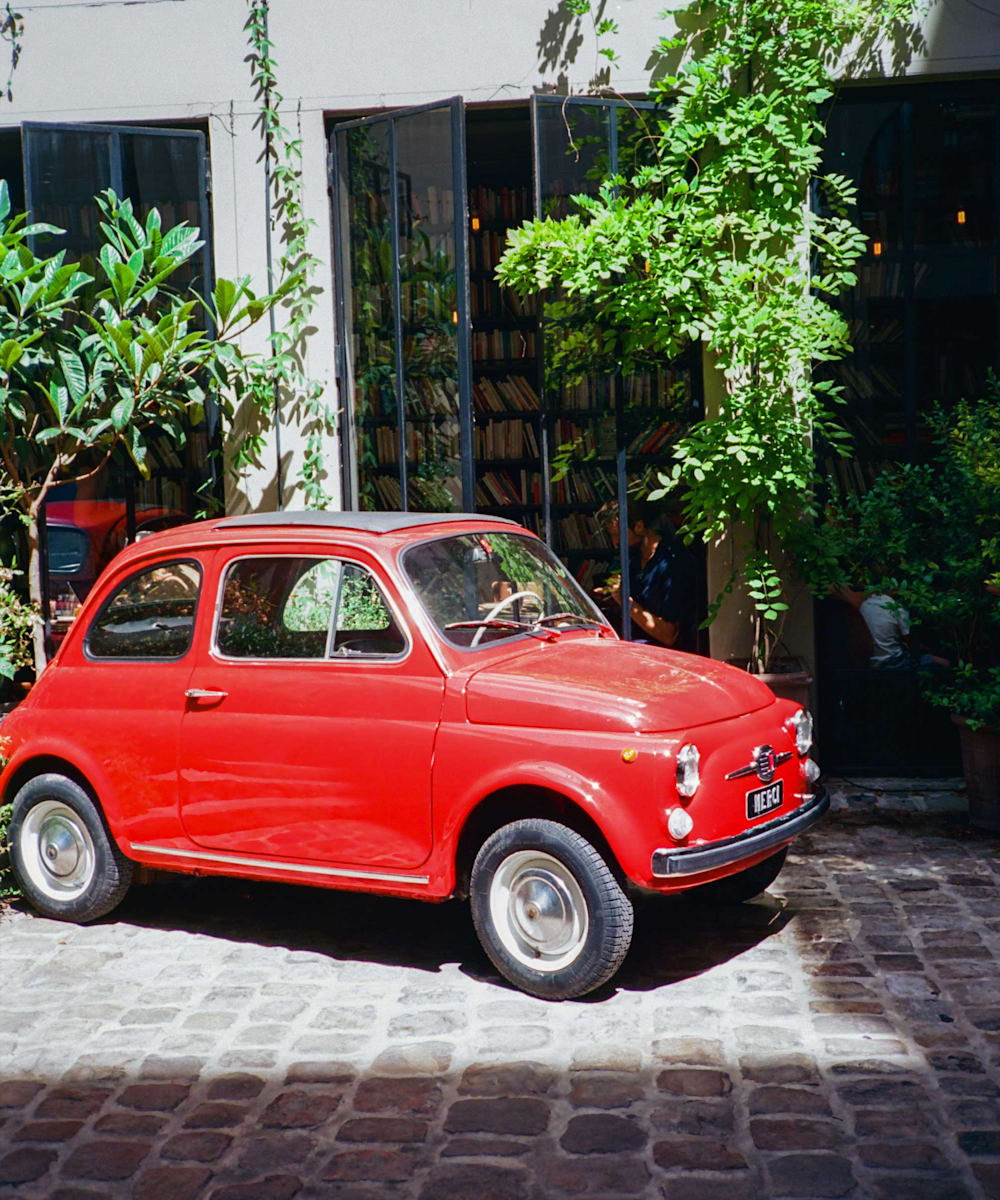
pixel 665 586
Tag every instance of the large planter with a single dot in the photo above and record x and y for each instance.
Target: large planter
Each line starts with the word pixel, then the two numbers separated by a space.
pixel 793 684
pixel 981 761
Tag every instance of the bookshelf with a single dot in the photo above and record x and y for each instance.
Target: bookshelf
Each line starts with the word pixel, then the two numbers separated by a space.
pixel 508 422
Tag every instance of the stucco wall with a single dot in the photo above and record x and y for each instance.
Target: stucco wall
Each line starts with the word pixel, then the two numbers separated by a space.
pixel 176 60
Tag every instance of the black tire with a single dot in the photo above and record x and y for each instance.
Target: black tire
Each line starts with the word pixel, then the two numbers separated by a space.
pixel 540 871
pixel 734 889
pixel 63 857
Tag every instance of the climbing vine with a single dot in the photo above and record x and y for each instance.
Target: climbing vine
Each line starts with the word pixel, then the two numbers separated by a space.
pixel 708 241
pixel 284 373
pixel 12 32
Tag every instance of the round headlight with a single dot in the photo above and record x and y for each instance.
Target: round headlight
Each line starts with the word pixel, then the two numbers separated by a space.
pixel 688 778
pixel 679 824
pixel 802 723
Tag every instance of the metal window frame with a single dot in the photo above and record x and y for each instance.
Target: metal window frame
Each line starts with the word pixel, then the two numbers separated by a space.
pixel 612 107
pixel 349 456
pixel 114 133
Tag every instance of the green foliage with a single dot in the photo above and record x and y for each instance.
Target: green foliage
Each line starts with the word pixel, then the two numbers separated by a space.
pixel 283 373
pixel 929 536
pixel 17 623
pixel 107 359
pixel 711 242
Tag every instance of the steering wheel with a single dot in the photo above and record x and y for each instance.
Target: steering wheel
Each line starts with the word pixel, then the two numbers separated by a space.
pixel 499 607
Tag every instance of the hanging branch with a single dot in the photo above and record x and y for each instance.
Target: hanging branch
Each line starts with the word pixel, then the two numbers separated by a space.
pixel 286 367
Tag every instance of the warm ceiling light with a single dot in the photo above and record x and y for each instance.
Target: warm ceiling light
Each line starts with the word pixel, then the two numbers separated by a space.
pixel 475 224
pixel 454 316
pixel 877 249
pixel 960 216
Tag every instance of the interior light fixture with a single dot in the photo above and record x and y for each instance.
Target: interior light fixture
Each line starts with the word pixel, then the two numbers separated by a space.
pixel 877 249
pixel 960 216
pixel 474 222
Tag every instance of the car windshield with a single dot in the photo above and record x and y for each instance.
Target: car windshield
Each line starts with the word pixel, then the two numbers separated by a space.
pixel 483 587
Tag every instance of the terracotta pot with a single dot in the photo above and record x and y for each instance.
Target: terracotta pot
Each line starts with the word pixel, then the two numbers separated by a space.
pixel 794 684
pixel 981 763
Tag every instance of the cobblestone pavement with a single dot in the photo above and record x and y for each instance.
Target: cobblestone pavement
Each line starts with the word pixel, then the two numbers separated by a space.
pixel 219 1039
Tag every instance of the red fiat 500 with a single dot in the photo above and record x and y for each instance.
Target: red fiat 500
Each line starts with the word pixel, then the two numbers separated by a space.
pixel 415 704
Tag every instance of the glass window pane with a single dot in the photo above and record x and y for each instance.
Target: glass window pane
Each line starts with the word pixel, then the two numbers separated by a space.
pixel 313 598
pixel 428 221
pixel 66 168
pixel 164 171
pixel 151 615
pixel 365 624
pixel 574 151
pixel 369 310
pixel 277 607
pixel 955 152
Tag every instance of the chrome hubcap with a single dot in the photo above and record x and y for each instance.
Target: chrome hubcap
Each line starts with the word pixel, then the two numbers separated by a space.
pixel 538 910
pixel 57 850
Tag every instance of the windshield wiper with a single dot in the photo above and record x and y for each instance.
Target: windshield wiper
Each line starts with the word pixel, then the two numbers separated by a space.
pixel 532 627
pixel 568 616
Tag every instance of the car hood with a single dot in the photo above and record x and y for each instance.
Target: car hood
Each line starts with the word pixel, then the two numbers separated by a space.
pixel 610 686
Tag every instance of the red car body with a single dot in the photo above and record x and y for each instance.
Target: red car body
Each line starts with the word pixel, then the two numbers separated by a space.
pixel 385 775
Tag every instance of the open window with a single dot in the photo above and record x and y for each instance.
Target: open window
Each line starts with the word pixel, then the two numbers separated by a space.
pixel 457 395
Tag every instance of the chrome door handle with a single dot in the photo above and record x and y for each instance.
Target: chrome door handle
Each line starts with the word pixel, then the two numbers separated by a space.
pixel 202 694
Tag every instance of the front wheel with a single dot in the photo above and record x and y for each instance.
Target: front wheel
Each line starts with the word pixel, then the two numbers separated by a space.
pixel 548 911
pixel 65 861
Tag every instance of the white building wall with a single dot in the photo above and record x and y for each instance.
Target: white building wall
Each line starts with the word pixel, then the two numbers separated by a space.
pixel 178 60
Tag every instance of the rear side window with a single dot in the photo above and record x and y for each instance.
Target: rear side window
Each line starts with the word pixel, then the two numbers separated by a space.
pixel 150 615
pixel 295 608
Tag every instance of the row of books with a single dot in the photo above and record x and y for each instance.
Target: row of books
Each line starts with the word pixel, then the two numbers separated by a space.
pixel 850 476
pixel 642 389
pixel 485 249
pixel 514 393
pixel 488 299
pixel 593 485
pixel 580 531
pixel 506 439
pixel 427 300
pixel 442 493
pixel 440 208
pixel 424 443
pixel 509 487
pixel 874 381
pixel 598 437
pixel 512 205
pixel 503 343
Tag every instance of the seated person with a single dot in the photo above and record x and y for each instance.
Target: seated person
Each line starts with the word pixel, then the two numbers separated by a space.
pixel 889 626
pixel 662 607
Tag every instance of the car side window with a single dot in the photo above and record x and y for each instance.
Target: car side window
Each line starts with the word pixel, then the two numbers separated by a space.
pixel 283 607
pixel 365 624
pixel 150 615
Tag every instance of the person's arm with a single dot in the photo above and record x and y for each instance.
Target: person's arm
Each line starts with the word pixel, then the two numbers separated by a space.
pixel 664 631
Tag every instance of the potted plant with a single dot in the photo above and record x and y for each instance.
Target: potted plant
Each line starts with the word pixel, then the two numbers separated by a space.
pixel 927 537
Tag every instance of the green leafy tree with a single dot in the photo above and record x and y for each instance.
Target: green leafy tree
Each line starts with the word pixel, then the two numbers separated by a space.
pixel 92 364
pixel 711 241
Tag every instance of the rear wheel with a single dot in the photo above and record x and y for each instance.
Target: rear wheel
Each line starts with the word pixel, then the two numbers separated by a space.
pixel 64 860
pixel 548 911
pixel 746 884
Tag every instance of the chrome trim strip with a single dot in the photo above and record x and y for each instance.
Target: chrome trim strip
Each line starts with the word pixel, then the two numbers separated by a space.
pixel 689 860
pixel 238 860
pixel 751 769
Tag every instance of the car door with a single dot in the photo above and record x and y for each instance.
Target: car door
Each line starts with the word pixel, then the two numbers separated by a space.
pixel 311 717
pixel 122 686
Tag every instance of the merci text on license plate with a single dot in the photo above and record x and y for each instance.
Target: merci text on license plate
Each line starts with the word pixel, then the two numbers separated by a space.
pixel 764 800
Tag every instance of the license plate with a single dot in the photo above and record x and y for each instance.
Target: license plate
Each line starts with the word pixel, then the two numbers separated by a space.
pixel 764 800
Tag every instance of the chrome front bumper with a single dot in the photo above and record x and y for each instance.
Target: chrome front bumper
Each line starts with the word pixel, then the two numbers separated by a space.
pixel 690 860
